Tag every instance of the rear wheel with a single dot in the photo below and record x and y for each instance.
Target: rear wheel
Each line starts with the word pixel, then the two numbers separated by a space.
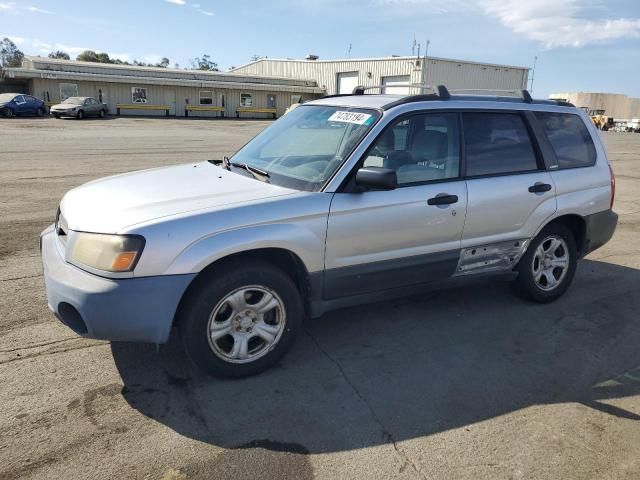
pixel 102 113
pixel 39 112
pixel 547 268
pixel 242 320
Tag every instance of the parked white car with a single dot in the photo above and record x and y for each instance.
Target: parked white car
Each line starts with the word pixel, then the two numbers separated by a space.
pixel 345 200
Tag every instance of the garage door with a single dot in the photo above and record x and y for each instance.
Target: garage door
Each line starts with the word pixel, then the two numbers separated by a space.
pixel 393 84
pixel 347 81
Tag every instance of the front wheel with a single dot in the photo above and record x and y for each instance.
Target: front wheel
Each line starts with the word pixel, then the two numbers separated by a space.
pixel 9 113
pixel 80 115
pixel 39 112
pixel 241 320
pixel 547 268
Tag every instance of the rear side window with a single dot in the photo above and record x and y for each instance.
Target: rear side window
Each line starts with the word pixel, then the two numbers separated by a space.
pixel 569 138
pixel 497 143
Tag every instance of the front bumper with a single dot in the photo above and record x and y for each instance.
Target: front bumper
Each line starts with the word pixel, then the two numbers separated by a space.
pixel 130 309
pixel 63 113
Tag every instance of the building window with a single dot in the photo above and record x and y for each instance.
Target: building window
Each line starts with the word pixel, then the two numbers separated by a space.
pixel 138 95
pixel 271 101
pixel 68 90
pixel 206 97
pixel 246 100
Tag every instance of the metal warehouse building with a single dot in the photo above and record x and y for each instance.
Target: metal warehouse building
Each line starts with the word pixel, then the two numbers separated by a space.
pixel 341 76
pixel 161 91
pixel 615 105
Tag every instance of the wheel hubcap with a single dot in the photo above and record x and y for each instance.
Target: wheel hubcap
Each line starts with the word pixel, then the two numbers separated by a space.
pixel 550 263
pixel 246 324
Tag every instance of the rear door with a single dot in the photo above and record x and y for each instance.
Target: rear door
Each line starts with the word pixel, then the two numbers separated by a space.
pixel 379 240
pixel 510 192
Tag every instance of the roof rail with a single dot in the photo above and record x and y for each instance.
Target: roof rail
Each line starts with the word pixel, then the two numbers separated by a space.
pixel 439 90
pixel 523 94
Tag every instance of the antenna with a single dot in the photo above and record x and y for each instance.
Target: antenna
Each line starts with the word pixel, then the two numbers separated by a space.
pixel 349 51
pixel 533 73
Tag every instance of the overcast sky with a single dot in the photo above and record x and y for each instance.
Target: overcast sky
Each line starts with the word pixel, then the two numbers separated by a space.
pixel 582 45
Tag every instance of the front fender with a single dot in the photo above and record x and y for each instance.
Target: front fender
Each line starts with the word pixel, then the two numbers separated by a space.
pixel 300 240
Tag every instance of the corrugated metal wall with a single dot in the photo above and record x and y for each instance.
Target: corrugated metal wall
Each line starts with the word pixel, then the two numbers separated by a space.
pixel 114 93
pixel 453 74
pixel 615 105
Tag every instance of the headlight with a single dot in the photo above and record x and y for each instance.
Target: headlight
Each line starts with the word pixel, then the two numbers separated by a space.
pixel 110 253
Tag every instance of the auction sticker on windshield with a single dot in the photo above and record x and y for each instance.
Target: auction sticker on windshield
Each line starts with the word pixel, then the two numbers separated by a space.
pixel 350 117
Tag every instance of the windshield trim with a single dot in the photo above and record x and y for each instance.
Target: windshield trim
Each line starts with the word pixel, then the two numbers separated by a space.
pixel 379 113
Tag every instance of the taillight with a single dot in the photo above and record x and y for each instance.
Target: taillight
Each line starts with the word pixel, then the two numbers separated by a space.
pixel 613 186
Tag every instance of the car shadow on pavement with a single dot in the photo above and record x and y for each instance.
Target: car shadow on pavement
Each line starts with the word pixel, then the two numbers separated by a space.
pixel 408 368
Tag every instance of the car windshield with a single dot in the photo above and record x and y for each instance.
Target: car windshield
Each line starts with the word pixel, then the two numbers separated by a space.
pixel 74 100
pixel 304 148
pixel 6 97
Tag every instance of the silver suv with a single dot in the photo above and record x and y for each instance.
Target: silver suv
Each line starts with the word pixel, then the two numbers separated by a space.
pixel 344 200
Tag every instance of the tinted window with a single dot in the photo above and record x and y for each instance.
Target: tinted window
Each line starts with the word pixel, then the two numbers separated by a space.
pixel 420 148
pixel 569 138
pixel 497 143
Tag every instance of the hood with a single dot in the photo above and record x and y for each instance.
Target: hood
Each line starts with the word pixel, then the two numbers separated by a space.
pixel 64 106
pixel 111 204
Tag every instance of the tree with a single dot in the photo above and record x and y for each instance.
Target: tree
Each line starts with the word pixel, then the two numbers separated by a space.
pixel 10 56
pixel 59 54
pixel 87 56
pixel 164 63
pixel 204 63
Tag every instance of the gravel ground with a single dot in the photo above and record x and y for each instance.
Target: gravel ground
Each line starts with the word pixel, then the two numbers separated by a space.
pixel 470 383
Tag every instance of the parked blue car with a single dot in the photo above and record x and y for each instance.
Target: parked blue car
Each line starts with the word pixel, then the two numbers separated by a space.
pixel 14 104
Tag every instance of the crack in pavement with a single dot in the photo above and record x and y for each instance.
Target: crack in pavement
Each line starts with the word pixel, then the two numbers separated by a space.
pixel 51 352
pixel 20 278
pixel 28 347
pixel 388 436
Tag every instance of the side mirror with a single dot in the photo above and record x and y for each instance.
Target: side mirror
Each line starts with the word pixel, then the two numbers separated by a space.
pixel 377 178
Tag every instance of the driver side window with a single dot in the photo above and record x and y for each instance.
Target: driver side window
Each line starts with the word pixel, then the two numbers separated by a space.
pixel 420 148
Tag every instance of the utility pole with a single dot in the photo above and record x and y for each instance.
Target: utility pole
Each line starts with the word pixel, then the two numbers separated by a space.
pixel 533 73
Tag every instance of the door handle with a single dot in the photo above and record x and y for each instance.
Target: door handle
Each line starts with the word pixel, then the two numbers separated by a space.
pixel 539 187
pixel 443 199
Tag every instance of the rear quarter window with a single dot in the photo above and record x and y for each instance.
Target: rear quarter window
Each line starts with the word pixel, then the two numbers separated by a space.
pixel 570 139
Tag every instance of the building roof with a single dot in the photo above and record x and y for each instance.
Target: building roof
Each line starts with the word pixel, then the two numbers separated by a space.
pixel 379 59
pixel 39 67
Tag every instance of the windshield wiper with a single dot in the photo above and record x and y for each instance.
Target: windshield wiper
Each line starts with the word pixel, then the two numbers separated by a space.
pixel 224 162
pixel 258 174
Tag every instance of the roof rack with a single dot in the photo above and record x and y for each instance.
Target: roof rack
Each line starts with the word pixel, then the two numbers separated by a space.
pixel 523 94
pixel 439 90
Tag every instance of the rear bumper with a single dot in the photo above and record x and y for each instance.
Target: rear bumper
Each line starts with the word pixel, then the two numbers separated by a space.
pixel 132 309
pixel 599 230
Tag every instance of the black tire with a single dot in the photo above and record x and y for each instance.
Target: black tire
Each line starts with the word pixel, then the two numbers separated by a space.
pixel 39 112
pixel 102 113
pixel 526 284
pixel 80 115
pixel 9 113
pixel 206 296
pixel 56 116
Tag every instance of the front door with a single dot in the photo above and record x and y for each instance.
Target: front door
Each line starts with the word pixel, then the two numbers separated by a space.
pixel 377 240
pixel 170 101
pixel 102 95
pixel 510 192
